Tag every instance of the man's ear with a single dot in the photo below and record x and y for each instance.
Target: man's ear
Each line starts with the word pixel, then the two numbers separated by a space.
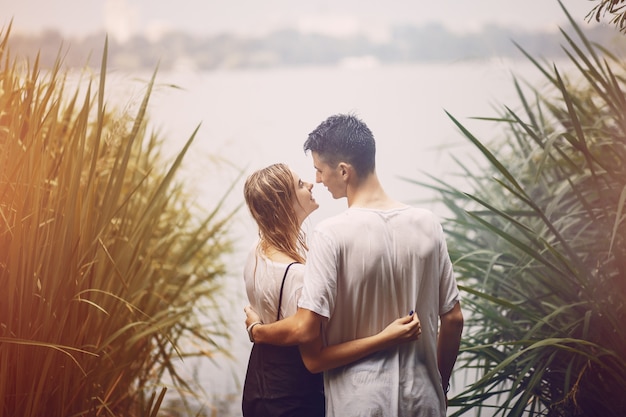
pixel 343 169
pixel 346 171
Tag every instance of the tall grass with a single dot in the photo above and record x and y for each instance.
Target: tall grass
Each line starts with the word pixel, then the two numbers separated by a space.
pixel 616 9
pixel 539 246
pixel 103 266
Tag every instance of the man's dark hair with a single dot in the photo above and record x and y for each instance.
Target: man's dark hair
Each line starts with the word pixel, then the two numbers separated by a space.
pixel 344 137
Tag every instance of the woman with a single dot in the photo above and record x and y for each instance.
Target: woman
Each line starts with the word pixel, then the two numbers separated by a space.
pixel 277 381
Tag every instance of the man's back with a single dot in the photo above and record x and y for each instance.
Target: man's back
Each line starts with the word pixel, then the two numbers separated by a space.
pixel 365 268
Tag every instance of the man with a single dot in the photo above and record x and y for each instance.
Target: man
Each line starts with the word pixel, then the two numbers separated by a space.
pixel 372 263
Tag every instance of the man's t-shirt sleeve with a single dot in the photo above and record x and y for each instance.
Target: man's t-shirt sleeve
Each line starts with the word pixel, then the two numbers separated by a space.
pixel 320 276
pixel 448 290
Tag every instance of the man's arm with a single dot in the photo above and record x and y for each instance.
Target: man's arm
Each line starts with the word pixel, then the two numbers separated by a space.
pixel 449 342
pixel 302 327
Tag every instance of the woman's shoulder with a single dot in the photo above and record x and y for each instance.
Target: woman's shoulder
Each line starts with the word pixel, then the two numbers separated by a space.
pixel 294 266
pixel 280 262
pixel 280 258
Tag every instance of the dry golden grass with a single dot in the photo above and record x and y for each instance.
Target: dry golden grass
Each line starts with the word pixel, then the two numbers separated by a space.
pixel 101 266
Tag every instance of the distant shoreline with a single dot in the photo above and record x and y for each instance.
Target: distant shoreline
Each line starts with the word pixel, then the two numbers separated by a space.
pixel 291 48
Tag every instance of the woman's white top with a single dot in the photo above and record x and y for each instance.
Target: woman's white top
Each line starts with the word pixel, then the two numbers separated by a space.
pixel 263 278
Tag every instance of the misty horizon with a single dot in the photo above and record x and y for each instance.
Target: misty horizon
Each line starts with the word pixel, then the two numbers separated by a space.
pixel 291 47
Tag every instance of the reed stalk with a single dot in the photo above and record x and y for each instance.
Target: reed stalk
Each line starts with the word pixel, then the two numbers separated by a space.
pixel 103 265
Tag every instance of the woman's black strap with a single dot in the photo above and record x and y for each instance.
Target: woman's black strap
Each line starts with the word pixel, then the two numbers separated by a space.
pixel 280 299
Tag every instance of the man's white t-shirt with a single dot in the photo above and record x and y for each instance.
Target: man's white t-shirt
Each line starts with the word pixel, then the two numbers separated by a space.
pixel 365 268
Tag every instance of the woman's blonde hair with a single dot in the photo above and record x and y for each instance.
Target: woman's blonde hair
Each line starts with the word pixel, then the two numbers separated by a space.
pixel 269 194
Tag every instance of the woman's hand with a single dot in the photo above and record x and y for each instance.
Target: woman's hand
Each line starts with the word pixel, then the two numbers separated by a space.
pixel 318 358
pixel 404 329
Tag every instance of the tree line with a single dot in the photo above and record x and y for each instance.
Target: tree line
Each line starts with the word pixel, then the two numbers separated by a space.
pixel 406 44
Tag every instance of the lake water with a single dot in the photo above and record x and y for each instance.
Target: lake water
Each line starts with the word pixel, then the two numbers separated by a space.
pixel 252 118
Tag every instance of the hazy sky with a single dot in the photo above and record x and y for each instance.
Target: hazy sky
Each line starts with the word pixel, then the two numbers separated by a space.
pixel 122 18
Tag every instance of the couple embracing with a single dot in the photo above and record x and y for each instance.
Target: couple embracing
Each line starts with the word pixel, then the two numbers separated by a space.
pixel 363 319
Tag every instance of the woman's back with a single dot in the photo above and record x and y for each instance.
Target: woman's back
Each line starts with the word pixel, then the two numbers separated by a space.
pixel 263 278
pixel 277 382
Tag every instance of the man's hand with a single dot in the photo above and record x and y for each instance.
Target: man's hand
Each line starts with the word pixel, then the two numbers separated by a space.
pixel 302 327
pixel 251 315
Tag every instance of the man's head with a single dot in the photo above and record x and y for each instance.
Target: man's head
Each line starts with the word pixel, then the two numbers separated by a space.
pixel 344 138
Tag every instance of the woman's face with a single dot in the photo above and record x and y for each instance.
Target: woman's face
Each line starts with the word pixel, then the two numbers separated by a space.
pixel 304 203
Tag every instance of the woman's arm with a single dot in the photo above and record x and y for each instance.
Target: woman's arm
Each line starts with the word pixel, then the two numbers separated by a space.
pixel 303 328
pixel 318 358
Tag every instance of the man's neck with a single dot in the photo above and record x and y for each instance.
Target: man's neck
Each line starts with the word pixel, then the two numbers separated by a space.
pixel 369 193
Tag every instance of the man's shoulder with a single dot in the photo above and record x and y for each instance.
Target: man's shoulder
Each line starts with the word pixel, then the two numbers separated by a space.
pixel 423 213
pixel 356 214
pixel 332 220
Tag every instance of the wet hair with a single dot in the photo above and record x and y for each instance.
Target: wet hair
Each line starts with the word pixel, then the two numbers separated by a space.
pixel 344 138
pixel 269 194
